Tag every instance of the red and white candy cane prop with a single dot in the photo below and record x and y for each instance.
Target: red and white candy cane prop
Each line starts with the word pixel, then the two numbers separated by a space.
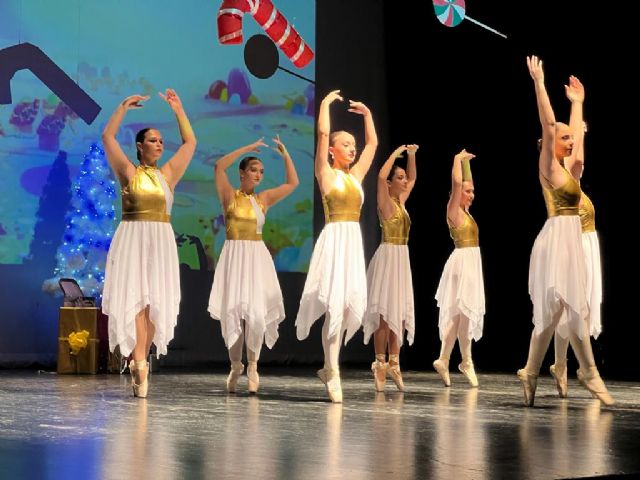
pixel 272 22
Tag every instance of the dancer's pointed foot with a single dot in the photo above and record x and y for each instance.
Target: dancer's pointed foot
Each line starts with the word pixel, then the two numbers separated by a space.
pixel 253 377
pixel 331 379
pixel 529 384
pixel 379 370
pixel 591 380
pixel 466 368
pixel 559 373
pixel 442 367
pixel 232 380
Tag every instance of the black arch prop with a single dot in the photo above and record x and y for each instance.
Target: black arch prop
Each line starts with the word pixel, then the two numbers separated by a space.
pixel 28 56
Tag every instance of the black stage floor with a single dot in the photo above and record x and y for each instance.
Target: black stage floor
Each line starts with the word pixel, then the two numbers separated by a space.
pixel 55 426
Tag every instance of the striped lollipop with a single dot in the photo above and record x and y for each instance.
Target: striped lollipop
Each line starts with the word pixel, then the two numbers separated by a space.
pixel 451 13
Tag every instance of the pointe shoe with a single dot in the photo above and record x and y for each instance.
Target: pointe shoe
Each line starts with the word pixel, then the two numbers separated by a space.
pixel 466 368
pixel 592 381
pixel 232 380
pixel 253 377
pixel 443 371
pixel 559 374
pixel 132 370
pixel 529 384
pixel 331 380
pixel 379 370
pixel 396 375
pixel 140 389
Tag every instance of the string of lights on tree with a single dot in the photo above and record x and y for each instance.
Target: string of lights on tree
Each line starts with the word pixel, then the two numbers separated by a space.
pixel 90 224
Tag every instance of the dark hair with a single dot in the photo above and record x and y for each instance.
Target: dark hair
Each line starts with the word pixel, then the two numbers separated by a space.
pixel 393 171
pixel 140 139
pixel 246 161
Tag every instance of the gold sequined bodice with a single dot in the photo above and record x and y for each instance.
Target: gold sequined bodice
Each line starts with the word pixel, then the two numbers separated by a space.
pixel 563 200
pixel 143 199
pixel 587 214
pixel 466 235
pixel 395 230
pixel 240 218
pixel 344 201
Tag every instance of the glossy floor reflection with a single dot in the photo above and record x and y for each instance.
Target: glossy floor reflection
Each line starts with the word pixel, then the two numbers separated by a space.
pixel 91 427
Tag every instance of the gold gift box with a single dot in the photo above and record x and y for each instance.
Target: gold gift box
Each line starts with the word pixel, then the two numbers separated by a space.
pixel 76 319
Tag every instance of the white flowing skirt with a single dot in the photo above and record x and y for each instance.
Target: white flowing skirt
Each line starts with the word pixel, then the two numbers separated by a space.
pixel 390 292
pixel 142 269
pixel 557 276
pixel 591 246
pixel 336 283
pixel 461 291
pixel 245 287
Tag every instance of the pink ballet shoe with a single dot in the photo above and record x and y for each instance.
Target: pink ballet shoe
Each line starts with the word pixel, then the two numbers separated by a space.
pixel 396 375
pixel 232 380
pixel 379 370
pixel 331 379
pixel 466 368
pixel 443 370
pixel 529 384
pixel 140 389
pixel 592 381
pixel 559 374
pixel 253 377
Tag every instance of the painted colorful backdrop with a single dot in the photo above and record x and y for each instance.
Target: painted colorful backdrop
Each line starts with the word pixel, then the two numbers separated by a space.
pixel 52 171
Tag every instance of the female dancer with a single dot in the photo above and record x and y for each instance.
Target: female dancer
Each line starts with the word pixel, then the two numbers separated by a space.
pixel 337 284
pixel 142 281
pixel 557 270
pixel 245 296
pixel 460 292
pixel 390 302
pixel 590 242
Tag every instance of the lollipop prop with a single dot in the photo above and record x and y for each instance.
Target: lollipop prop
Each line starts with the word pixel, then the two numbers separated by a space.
pixel 261 58
pixel 451 13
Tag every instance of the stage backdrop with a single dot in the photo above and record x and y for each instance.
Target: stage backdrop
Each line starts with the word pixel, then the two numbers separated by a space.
pixel 60 204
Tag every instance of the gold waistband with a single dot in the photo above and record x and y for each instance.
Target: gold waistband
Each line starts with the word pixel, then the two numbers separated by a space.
pixel 146 217
pixel 567 211
pixel 467 243
pixel 396 240
pixel 589 229
pixel 343 217
pixel 234 235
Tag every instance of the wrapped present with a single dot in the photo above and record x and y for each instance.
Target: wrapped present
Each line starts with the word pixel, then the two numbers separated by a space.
pixel 78 340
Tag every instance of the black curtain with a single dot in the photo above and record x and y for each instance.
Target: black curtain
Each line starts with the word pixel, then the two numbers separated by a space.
pixel 466 87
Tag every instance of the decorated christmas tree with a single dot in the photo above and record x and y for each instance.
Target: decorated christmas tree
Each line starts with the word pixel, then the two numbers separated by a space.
pixel 90 224
pixel 52 208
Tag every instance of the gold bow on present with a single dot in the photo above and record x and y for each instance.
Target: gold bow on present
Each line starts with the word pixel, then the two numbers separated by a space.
pixel 78 341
